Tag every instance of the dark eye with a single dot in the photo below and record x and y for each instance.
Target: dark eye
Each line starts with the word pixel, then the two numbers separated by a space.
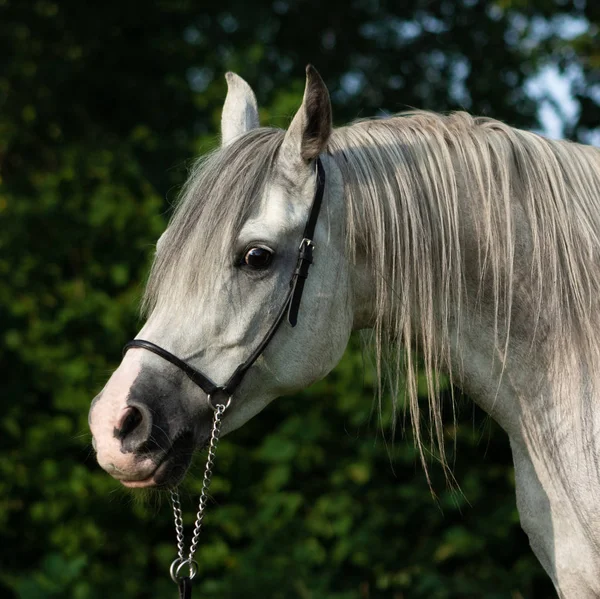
pixel 258 258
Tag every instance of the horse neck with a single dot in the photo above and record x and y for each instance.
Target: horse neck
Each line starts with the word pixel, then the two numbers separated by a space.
pixel 539 378
pixel 523 365
pixel 544 401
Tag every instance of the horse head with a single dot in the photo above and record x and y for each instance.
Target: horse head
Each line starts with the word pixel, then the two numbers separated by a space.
pixel 220 286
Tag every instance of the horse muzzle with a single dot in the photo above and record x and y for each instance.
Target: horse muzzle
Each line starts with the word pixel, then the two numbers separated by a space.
pixel 144 430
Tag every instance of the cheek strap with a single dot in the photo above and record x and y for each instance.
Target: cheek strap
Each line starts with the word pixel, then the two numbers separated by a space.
pixel 305 252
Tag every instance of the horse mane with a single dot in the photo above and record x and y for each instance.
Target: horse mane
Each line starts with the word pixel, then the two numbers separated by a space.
pixel 221 191
pixel 407 181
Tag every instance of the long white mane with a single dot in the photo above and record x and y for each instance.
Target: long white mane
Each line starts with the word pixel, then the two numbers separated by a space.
pixel 417 185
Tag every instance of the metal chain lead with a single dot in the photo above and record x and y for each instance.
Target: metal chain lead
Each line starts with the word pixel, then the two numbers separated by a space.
pixel 181 560
pixel 178 523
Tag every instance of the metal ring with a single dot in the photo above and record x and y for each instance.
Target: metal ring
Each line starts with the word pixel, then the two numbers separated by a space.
pixel 176 566
pixel 225 406
pixel 176 562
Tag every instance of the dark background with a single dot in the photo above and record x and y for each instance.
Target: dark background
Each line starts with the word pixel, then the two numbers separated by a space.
pixel 102 108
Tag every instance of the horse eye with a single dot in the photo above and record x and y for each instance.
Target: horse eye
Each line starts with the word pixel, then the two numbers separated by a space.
pixel 258 258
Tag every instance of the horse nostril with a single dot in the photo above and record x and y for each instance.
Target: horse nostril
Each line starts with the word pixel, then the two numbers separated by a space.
pixel 130 419
pixel 134 428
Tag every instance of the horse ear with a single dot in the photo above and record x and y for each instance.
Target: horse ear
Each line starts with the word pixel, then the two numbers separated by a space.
pixel 310 129
pixel 240 111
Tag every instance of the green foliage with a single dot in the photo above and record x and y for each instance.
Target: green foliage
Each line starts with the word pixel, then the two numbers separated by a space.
pixel 102 106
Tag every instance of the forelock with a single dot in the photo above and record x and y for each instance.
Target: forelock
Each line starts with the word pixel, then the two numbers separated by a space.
pixel 223 189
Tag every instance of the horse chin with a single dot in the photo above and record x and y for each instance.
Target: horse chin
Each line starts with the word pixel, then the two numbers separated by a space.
pixel 171 469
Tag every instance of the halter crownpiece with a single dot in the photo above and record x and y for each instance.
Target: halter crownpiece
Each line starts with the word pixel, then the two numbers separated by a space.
pixel 224 393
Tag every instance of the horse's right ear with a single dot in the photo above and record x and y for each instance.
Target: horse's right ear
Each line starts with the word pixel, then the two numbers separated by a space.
pixel 240 111
pixel 310 129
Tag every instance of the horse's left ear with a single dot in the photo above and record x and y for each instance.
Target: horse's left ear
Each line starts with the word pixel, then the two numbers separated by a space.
pixel 310 129
pixel 240 111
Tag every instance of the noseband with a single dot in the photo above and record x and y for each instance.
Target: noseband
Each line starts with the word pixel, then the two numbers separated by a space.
pixel 290 305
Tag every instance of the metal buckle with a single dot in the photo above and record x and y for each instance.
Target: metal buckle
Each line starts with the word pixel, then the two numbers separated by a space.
pixel 306 242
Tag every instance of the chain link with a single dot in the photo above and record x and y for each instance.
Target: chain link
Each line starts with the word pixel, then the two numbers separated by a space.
pixel 181 560
pixel 178 523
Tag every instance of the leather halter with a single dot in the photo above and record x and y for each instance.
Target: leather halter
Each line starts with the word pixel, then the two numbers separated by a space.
pixel 290 305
